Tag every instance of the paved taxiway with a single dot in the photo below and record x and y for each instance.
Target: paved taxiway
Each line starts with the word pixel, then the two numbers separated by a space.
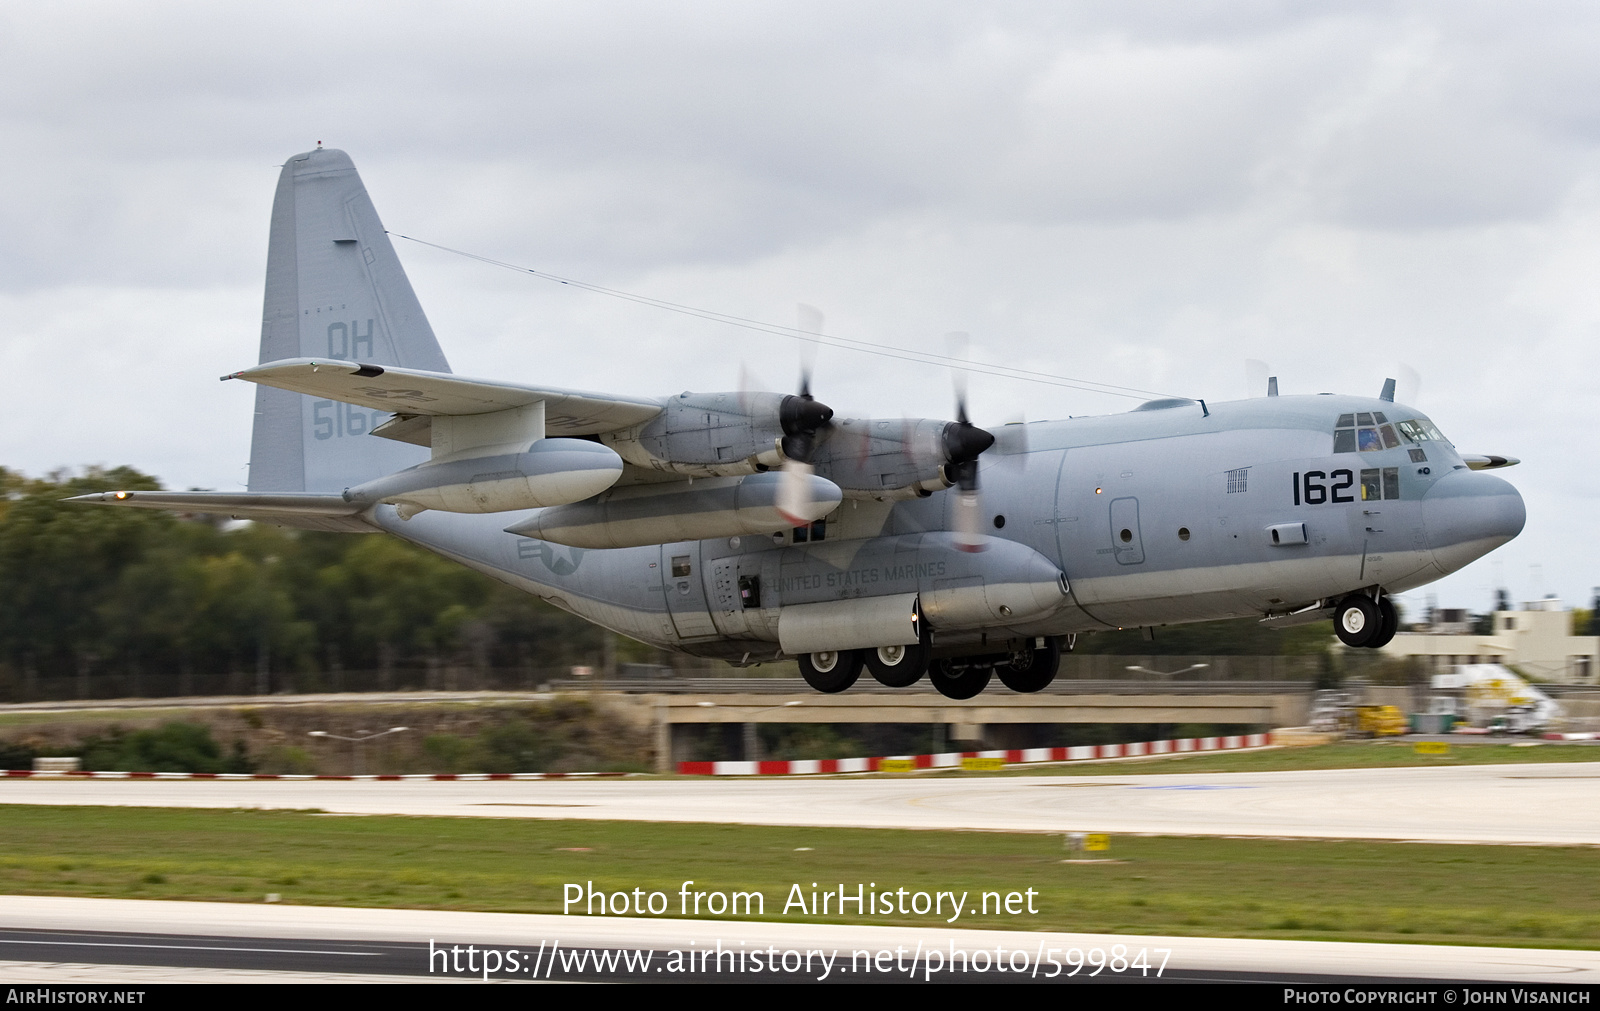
pixel 1534 803
pixel 43 939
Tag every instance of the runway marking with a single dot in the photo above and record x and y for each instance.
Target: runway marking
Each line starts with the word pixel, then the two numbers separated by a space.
pixel 1192 786
pixel 1076 786
pixel 197 947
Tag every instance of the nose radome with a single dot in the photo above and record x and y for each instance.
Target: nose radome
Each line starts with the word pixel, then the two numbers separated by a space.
pixel 1468 514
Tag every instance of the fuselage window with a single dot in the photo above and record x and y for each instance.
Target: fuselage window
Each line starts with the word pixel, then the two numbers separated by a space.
pixel 1378 484
pixel 680 565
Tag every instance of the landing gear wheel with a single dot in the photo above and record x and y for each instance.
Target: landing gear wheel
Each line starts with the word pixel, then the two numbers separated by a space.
pixel 955 682
pixel 1039 670
pixel 1388 623
pixel 897 666
pixel 831 671
pixel 1357 620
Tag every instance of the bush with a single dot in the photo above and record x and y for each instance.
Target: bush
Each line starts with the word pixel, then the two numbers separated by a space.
pixel 16 756
pixel 171 747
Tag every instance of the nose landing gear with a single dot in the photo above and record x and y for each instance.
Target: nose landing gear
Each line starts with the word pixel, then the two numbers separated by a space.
pixel 1361 621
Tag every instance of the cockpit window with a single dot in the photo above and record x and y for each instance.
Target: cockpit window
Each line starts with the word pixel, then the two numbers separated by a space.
pixel 1371 431
pixel 1420 430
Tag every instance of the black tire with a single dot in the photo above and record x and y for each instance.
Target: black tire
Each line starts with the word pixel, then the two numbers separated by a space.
pixel 1388 623
pixel 831 672
pixel 897 666
pixel 1037 673
pixel 955 682
pixel 1357 620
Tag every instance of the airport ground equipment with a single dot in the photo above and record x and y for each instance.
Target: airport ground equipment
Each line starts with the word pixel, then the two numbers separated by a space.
pixel 1380 721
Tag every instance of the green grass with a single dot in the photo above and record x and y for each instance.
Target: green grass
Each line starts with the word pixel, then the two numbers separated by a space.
pixel 1495 895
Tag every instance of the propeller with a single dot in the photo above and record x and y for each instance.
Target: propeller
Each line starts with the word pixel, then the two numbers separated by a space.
pixel 964 442
pixel 1258 382
pixel 1408 386
pixel 801 416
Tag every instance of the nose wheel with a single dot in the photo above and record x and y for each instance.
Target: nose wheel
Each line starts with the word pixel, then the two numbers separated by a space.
pixel 1361 621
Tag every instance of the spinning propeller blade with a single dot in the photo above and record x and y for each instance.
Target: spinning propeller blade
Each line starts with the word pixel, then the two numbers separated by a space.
pixel 801 416
pixel 964 442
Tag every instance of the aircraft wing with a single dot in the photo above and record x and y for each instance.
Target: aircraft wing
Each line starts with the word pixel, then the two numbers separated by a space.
pixel 309 510
pixel 416 393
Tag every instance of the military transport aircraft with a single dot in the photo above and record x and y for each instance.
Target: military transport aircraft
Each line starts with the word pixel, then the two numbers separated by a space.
pixel 755 527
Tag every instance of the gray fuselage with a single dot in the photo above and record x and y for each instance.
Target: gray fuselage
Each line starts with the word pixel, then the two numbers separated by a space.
pixel 1158 516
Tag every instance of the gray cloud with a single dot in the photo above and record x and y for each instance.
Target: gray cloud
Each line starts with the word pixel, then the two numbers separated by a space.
pixel 1140 193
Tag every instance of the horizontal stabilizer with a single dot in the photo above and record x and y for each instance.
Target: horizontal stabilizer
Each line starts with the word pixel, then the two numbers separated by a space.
pixel 415 392
pixel 296 509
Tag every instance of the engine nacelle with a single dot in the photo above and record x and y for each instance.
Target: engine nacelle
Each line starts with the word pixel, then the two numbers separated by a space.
pixel 872 458
pixel 733 434
pixel 551 472
pixel 707 435
pixel 687 511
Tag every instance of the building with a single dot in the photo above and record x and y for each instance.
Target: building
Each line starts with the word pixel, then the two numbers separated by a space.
pixel 1537 641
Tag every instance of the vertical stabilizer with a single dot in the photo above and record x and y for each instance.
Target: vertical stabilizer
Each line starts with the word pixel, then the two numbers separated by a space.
pixel 335 289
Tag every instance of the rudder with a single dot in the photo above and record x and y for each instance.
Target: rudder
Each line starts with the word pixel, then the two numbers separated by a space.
pixel 335 289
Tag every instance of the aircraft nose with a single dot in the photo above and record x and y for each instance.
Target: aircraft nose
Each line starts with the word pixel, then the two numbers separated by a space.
pixel 1468 514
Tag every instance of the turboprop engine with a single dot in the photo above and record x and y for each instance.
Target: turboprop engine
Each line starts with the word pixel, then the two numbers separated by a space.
pixel 722 434
pixel 734 434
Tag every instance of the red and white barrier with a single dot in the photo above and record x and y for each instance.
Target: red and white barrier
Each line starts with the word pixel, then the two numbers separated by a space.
pixel 1571 737
pixel 952 759
pixel 438 776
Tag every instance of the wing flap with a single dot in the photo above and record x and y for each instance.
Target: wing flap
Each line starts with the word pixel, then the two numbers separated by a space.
pixel 417 392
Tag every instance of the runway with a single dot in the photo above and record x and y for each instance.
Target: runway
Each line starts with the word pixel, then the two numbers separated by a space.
pixel 43 940
pixel 1531 804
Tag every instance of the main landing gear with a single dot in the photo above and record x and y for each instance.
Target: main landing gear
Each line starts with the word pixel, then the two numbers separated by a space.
pixel 1030 669
pixel 831 671
pixel 1361 621
pixel 897 666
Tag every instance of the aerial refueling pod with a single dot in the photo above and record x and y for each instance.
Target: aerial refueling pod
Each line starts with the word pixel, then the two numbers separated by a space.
pixel 692 511
pixel 550 472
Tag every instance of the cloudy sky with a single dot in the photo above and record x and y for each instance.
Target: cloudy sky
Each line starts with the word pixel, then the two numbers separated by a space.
pixel 1137 194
